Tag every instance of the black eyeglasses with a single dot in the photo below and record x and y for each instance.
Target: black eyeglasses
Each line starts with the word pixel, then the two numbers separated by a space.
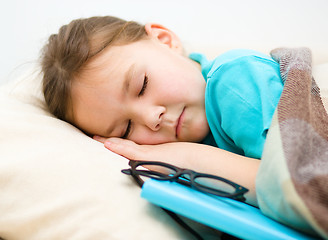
pixel 206 183
pixel 202 182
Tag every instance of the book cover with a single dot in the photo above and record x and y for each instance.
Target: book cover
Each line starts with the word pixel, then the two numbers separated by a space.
pixel 226 215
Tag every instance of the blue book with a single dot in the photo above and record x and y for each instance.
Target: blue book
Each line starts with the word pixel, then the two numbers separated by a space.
pixel 227 215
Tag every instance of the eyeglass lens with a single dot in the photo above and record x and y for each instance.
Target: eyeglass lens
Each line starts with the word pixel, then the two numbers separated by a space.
pixel 206 184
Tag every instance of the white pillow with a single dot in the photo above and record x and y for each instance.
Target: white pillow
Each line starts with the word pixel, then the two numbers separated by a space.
pixel 57 183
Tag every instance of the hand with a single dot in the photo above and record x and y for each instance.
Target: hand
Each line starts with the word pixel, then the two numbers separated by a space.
pixel 199 157
pixel 123 147
pixel 167 152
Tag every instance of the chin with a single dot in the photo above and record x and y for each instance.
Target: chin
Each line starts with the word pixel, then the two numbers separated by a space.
pixel 199 133
pixel 198 137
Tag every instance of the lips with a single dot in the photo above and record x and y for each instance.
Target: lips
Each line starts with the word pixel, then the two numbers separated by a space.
pixel 179 123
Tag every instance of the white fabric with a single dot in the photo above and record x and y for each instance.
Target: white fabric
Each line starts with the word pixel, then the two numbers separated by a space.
pixel 57 183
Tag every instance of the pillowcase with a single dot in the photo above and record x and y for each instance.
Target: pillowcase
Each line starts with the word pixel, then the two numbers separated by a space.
pixel 57 183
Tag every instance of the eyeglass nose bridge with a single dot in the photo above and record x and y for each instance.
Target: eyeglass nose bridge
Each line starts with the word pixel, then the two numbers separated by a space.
pixel 184 173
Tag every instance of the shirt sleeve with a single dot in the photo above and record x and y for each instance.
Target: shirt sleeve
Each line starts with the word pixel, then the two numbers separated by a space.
pixel 241 97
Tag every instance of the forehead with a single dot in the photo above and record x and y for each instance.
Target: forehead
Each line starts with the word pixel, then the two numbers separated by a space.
pixel 94 92
pixel 117 55
pixel 117 63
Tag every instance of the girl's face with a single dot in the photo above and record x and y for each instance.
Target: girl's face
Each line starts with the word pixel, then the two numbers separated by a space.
pixel 146 91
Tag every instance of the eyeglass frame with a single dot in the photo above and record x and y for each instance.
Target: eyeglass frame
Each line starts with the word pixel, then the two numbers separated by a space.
pixel 238 194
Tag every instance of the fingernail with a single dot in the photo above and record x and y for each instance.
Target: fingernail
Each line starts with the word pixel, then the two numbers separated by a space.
pixel 114 140
pixel 107 143
pixel 95 137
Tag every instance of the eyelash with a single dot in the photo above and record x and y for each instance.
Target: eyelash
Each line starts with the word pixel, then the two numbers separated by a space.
pixel 144 86
pixel 127 131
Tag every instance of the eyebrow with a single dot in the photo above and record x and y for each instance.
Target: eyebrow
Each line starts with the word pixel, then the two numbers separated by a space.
pixel 127 78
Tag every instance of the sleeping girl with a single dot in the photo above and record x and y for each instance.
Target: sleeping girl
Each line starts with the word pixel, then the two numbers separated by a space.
pixel 133 88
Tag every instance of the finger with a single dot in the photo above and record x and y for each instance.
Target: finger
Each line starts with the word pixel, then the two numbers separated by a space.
pixel 99 139
pixel 120 141
pixel 124 148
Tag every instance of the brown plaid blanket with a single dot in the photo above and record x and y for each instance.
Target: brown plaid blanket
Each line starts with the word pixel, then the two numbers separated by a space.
pixel 292 182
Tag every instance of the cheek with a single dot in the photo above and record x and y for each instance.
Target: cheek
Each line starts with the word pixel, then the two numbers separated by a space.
pixel 171 91
pixel 179 88
pixel 167 83
pixel 200 130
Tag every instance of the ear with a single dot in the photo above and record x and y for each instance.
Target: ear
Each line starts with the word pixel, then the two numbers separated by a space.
pixel 164 35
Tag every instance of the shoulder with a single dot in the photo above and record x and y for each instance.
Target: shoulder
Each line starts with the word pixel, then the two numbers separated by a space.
pixel 234 57
pixel 242 76
pixel 236 54
pixel 242 63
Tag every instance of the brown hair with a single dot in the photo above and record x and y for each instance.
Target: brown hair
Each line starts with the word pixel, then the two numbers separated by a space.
pixel 67 52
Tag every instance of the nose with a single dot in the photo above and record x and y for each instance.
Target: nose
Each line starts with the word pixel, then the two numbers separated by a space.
pixel 152 116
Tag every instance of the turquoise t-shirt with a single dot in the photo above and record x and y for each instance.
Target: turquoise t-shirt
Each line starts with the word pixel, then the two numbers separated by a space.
pixel 242 92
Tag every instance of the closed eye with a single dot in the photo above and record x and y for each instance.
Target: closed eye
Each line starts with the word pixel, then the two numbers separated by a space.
pixel 127 131
pixel 144 86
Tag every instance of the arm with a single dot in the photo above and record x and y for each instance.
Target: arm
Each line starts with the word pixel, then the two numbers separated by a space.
pixel 198 157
